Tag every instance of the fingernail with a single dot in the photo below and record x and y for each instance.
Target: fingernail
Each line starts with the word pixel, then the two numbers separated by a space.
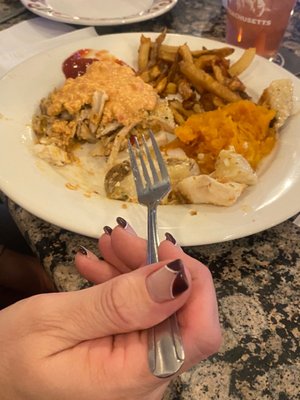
pixel 170 238
pixel 168 282
pixel 82 250
pixel 122 222
pixel 107 229
pixel 125 225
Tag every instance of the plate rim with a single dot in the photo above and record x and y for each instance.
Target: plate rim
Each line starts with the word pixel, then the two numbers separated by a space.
pixel 158 7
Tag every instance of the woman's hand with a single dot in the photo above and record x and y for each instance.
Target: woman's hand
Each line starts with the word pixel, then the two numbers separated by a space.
pixel 92 344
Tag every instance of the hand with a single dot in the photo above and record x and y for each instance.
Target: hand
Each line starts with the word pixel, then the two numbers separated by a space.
pixel 123 252
pixel 92 344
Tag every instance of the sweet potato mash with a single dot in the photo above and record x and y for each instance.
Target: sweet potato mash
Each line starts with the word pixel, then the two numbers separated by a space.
pixel 243 125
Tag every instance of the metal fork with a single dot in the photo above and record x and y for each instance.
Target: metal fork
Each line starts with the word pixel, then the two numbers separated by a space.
pixel 165 349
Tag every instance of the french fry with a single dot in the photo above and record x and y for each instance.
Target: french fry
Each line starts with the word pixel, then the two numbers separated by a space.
pixel 143 53
pixel 243 62
pixel 171 88
pixel 167 52
pixel 236 85
pixel 179 119
pixel 218 73
pixel 207 102
pixel 154 72
pixel 161 85
pixel 185 53
pixel 178 106
pixel 155 46
pixel 202 80
pixel 151 74
pixel 184 89
pixel 218 102
pixel 204 60
pixel 146 76
pixel 189 103
pixel 173 70
pixel 221 52
pixel 198 108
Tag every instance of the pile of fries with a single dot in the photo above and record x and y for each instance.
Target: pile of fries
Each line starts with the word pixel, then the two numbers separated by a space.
pixel 203 79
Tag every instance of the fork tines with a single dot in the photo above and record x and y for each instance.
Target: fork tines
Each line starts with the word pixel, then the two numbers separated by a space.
pixel 143 152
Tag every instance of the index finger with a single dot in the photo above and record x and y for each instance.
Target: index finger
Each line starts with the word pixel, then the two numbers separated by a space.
pixel 123 248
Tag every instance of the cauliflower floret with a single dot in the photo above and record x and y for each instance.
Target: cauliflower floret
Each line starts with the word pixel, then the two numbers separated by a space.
pixel 231 166
pixel 205 189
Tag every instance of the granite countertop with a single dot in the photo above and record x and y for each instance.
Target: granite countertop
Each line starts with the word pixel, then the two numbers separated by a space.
pixel 257 278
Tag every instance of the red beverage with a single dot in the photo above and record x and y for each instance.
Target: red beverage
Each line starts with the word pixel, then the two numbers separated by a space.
pixel 257 23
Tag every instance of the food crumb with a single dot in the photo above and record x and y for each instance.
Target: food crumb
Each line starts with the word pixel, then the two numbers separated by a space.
pixel 71 186
pixel 124 205
pixel 246 208
pixel 193 212
pixel 2 116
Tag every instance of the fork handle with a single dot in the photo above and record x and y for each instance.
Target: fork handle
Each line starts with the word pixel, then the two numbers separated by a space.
pixel 165 348
pixel 153 241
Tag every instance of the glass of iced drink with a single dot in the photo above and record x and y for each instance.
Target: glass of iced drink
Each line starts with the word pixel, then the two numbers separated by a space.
pixel 257 23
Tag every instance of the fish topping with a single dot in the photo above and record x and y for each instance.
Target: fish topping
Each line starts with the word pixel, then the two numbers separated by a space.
pixel 129 97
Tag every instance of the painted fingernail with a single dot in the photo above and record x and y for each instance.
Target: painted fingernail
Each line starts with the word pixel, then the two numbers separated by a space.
pixel 107 229
pixel 168 282
pixel 122 222
pixel 170 238
pixel 82 250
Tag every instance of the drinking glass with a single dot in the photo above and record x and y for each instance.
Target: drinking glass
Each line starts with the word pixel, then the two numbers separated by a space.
pixel 257 23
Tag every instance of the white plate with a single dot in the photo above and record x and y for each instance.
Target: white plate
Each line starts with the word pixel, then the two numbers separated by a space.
pixel 99 12
pixel 42 191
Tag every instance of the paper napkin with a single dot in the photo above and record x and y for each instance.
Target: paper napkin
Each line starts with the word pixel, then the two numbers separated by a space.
pixel 33 36
pixel 297 220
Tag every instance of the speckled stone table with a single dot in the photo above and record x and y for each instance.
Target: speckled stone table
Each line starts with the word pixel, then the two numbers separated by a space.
pixel 257 278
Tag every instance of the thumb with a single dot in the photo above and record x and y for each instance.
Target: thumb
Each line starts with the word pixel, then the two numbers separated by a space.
pixel 129 302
